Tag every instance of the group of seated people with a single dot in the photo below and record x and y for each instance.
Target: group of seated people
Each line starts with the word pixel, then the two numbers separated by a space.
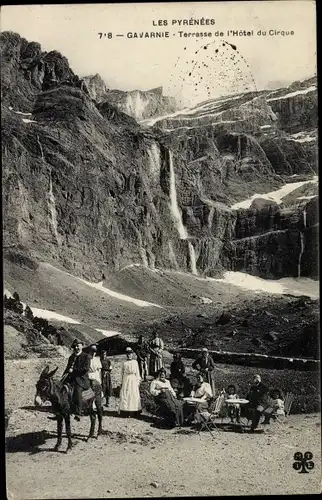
pixel 177 412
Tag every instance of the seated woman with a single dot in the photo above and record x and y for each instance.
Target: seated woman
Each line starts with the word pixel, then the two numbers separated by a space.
pixel 233 410
pixel 170 408
pixel 202 390
pixel 276 406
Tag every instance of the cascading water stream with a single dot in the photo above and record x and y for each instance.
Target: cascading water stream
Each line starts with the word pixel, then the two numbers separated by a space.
pixel 301 253
pixel 177 216
pixel 51 199
pixel 304 217
pixel 192 255
pixel 301 245
pixel 174 203
pixel 52 209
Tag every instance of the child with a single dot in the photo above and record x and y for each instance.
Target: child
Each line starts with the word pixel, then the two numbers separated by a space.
pixel 233 409
pixel 276 406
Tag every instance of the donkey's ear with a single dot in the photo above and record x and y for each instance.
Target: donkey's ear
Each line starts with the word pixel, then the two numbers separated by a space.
pixel 51 374
pixel 45 371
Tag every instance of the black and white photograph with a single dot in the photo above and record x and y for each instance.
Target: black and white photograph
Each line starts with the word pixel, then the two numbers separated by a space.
pixel 160 249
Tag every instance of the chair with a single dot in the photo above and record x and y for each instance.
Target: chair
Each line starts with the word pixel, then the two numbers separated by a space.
pixel 208 418
pixel 289 398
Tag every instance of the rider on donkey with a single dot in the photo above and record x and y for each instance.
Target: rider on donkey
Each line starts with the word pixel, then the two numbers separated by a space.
pixel 77 375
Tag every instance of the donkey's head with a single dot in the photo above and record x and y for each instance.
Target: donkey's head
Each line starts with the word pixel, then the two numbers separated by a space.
pixel 44 386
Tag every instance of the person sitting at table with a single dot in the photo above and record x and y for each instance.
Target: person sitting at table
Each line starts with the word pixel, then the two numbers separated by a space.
pixel 258 401
pixel 170 408
pixel 276 406
pixel 233 410
pixel 202 391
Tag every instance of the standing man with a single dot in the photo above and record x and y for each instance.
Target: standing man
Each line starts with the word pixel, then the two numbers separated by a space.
pixel 156 347
pixel 94 373
pixel 142 357
pixel 258 401
pixel 106 377
pixel 205 365
pixel 77 374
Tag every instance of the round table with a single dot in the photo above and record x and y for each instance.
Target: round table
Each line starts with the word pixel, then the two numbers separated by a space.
pixel 237 401
pixel 194 400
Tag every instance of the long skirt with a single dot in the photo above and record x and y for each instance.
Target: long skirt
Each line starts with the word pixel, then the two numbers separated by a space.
pixel 155 364
pixel 130 394
pixel 170 408
pixel 106 384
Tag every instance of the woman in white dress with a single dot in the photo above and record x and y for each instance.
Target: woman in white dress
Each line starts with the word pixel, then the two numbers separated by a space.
pixel 130 402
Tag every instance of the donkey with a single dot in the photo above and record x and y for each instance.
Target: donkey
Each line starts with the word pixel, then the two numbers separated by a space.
pixel 60 396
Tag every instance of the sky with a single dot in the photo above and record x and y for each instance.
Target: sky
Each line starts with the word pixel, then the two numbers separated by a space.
pixel 229 64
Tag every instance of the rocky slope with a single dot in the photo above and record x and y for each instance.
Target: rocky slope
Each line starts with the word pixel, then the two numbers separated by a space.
pixel 88 187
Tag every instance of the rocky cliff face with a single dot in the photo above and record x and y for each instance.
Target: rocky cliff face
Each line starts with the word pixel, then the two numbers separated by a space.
pixel 87 186
pixel 137 103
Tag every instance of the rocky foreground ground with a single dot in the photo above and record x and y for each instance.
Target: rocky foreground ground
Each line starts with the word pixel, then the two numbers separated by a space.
pixel 137 459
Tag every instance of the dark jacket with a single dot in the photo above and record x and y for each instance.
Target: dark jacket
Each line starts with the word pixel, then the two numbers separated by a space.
pixel 200 363
pixel 141 351
pixel 177 369
pixel 258 394
pixel 81 365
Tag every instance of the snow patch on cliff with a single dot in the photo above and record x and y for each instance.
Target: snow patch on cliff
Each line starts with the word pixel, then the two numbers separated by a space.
pixel 294 94
pixel 276 196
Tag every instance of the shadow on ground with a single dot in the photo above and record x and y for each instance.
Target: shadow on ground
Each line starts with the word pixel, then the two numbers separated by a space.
pixel 28 442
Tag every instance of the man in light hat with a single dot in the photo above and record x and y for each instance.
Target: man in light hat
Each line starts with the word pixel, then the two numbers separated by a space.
pixel 205 365
pixel 77 375
pixel 258 401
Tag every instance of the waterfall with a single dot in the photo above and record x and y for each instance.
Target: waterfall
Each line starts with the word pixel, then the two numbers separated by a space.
pixel 192 256
pixel 135 105
pixel 144 256
pixel 41 150
pixel 172 256
pixel 304 217
pixel 52 210
pixel 301 253
pixel 154 161
pixel 177 216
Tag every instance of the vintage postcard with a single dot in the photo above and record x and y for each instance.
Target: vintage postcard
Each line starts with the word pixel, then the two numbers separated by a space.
pixel 160 249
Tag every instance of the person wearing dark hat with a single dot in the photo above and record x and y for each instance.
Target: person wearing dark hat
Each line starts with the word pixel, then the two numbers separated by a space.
pixel 77 375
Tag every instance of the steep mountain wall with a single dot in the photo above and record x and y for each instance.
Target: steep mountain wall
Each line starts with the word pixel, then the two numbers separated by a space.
pixel 86 186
